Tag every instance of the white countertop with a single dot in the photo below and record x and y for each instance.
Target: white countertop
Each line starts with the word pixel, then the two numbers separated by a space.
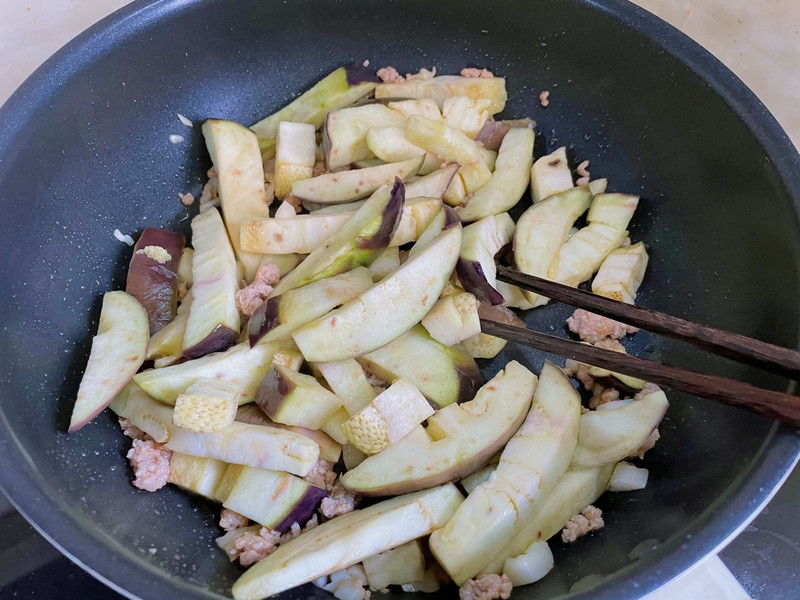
pixel 758 39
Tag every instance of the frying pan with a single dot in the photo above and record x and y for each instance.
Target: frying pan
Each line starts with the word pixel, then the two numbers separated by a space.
pixel 84 150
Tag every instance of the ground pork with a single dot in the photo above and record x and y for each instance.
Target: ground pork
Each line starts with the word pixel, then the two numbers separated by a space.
pixel 187 199
pixel 250 297
pixel 573 368
pixel 150 463
pixel 230 520
pixel 131 430
pixel 477 73
pixel 251 548
pixel 340 502
pixel 589 519
pixel 544 98
pixel 210 195
pixel 648 444
pixel 422 74
pixel 593 328
pixel 602 395
pixel 296 530
pixel 322 475
pixel 389 75
pixel 488 586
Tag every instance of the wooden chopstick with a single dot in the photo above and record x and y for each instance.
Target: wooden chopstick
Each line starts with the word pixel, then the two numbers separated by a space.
pixel 777 405
pixel 775 359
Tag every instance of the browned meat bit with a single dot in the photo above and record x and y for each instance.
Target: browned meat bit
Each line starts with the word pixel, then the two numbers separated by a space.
pixel 593 328
pixel 230 520
pixel 589 519
pixel 187 199
pixel 583 173
pixel 579 371
pixel 322 475
pixel 472 73
pixel 602 395
pixel 544 98
pixel 250 297
pixel 488 586
pixel 389 75
pixel 251 548
pixel 131 430
pixel 150 463
pixel 648 444
pixel 340 502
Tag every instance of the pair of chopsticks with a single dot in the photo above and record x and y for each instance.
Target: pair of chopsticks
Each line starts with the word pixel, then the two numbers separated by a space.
pixel 783 361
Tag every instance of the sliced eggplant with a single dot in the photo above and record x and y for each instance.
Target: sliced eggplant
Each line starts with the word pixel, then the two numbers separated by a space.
pixel 276 318
pixel 241 365
pixel 476 266
pixel 583 253
pixel 344 134
pixel 627 478
pixel 543 229
pixel 453 319
pixel 391 145
pixel 575 491
pixel 509 180
pixel 213 322
pixel 305 233
pixel 433 185
pixel 403 564
pixel 273 499
pixel 424 108
pixel 198 475
pixel 468 115
pixel 185 277
pixel 339 89
pixel 118 350
pixel 387 262
pixel 493 132
pixel 346 186
pixel 452 146
pixel 446 86
pixel 329 449
pixel 153 274
pixel 551 175
pixel 165 347
pixel 531 465
pixel 387 309
pixel 347 380
pixel 207 406
pixel 390 416
pixel 358 242
pixel 240 172
pixel 346 540
pixel 621 273
pixel 443 374
pixel 459 439
pixel 240 444
pixel 296 399
pixel 608 436
pixel 295 155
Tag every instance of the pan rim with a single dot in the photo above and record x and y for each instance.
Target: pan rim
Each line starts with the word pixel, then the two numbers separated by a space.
pixel 713 529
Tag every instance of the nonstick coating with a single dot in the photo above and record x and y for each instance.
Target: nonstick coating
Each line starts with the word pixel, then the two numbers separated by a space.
pixel 84 149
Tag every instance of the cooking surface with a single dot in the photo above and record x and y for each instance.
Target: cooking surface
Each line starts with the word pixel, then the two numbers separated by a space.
pixel 766 555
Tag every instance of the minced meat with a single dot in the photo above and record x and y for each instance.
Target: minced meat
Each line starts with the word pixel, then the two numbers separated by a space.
pixel 230 520
pixel 251 548
pixel 473 73
pixel 589 519
pixel 340 502
pixel 322 475
pixel 250 297
pixel 488 586
pixel 150 463
pixel 593 328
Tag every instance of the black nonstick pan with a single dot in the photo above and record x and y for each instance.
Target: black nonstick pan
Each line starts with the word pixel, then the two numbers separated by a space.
pixel 85 150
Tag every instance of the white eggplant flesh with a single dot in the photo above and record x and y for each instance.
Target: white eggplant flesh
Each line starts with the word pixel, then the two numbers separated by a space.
pixel 453 318
pixel 550 175
pixel 628 478
pixel 391 145
pixel 295 155
pixel 424 108
pixel 447 86
pixel 621 273
pixel 509 180
pixel 482 240
pixel 530 566
pixel 433 185
pixel 468 115
pixel 344 134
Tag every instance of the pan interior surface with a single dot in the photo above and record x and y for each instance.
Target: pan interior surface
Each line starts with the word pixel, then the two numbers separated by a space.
pixel 85 150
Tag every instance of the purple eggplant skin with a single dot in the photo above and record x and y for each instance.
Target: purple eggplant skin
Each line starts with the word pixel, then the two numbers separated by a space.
pixel 272 391
pixel 265 318
pixel 470 380
pixel 492 133
pixel 357 74
pixel 390 219
pixel 450 217
pixel 221 338
pixel 303 509
pixel 470 274
pixel 155 284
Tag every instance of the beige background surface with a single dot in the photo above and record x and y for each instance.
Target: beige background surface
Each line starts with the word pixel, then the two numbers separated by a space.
pixel 758 39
